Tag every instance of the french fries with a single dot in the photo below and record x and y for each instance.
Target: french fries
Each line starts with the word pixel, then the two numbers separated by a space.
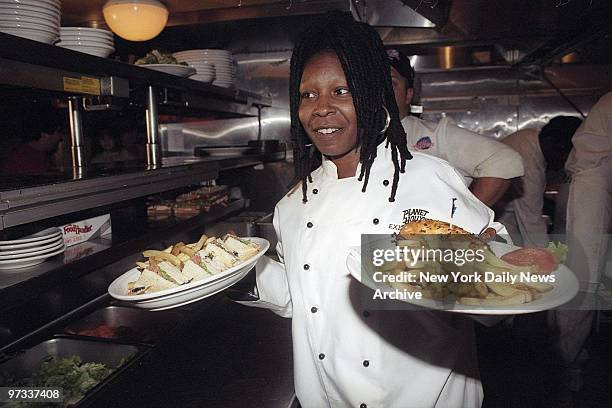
pixel 478 292
pixel 151 253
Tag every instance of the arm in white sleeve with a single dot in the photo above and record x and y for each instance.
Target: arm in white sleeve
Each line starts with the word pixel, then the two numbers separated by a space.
pixel 593 139
pixel 271 277
pixel 479 156
pixel 528 207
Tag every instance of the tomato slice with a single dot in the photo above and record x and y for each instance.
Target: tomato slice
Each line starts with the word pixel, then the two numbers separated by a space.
pixel 542 259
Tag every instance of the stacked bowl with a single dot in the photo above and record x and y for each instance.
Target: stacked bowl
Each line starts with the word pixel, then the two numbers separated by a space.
pixel 31 250
pixel 221 60
pixel 37 20
pixel 94 41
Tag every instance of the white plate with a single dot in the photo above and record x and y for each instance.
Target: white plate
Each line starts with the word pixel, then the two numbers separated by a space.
pixel 207 51
pixel 39 236
pixel 565 288
pixel 39 4
pixel 96 51
pixel 95 32
pixel 35 35
pixel 205 60
pixel 172 69
pixel 31 245
pixel 118 288
pixel 205 79
pixel 37 250
pixel 181 299
pixel 4 16
pixel 88 44
pixel 87 40
pixel 47 28
pixel 31 261
pixel 26 9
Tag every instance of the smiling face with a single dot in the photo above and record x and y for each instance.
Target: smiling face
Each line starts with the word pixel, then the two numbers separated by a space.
pixel 326 109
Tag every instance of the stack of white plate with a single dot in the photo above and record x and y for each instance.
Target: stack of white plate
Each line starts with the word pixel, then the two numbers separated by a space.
pixel 38 20
pixel 31 250
pixel 224 71
pixel 94 41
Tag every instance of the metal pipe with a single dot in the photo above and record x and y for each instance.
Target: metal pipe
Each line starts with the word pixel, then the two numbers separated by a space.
pixel 153 146
pixel 77 145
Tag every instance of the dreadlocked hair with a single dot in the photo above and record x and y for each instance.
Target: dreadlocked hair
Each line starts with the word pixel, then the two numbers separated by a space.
pixel 367 71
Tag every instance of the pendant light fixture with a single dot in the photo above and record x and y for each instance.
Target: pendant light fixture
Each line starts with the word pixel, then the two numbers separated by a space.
pixel 135 20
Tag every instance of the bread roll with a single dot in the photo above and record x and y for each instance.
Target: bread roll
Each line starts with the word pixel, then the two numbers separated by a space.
pixel 427 226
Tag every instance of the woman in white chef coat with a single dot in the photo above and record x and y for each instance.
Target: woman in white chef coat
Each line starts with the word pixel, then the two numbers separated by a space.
pixel 354 175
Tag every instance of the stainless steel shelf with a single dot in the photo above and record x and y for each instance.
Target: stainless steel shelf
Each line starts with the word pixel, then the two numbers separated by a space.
pixel 24 205
pixel 19 288
pixel 31 64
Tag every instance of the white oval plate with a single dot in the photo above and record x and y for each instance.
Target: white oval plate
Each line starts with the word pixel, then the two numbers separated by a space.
pixel 172 69
pixel 565 289
pixel 118 288
pixel 23 253
pixel 39 236
pixel 31 261
pixel 184 298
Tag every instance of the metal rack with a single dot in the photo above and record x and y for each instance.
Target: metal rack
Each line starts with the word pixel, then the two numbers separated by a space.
pixel 80 77
pixel 76 75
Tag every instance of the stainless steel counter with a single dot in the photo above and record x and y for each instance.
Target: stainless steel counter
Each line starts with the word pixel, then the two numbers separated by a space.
pixel 228 356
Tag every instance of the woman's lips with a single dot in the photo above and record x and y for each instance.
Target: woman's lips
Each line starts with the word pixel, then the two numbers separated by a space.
pixel 327 130
pixel 327 133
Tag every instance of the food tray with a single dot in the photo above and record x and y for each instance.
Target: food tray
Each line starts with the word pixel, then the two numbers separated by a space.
pixel 124 324
pixel 29 361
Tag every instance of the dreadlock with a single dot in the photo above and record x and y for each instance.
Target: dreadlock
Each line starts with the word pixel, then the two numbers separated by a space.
pixel 367 72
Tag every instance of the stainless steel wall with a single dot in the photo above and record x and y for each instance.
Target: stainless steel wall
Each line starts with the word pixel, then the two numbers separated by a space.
pixel 500 101
pixel 491 101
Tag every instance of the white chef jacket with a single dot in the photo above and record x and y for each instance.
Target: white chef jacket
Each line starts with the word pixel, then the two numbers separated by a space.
pixel 345 356
pixel 524 211
pixel 472 154
pixel 589 207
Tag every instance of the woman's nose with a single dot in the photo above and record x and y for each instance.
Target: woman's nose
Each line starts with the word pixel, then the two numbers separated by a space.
pixel 323 107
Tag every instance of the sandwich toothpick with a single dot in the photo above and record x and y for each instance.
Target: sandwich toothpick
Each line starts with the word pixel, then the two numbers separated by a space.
pixel 453 209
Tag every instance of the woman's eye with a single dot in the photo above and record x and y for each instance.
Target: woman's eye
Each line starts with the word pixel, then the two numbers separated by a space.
pixel 342 91
pixel 307 95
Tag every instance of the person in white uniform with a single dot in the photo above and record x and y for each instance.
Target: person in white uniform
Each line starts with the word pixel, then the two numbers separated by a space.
pixel 483 161
pixel 589 210
pixel 589 220
pixel 544 154
pixel 355 175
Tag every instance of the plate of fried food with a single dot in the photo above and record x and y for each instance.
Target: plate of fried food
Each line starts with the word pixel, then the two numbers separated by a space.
pixel 436 265
pixel 185 273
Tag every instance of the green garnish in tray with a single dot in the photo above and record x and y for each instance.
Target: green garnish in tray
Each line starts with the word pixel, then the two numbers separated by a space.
pixel 69 373
pixel 158 57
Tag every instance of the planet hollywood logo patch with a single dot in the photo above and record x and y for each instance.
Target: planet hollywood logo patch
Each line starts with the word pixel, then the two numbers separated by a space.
pixel 414 214
pixel 409 215
pixel 423 143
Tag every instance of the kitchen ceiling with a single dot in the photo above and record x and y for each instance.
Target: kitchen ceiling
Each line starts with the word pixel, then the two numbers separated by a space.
pixel 473 32
pixel 81 12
